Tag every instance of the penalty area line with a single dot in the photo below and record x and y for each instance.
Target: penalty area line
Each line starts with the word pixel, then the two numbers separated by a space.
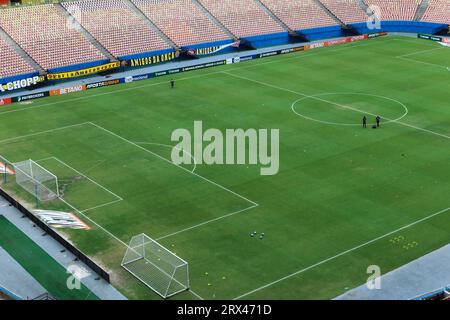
pixel 343 253
pixel 170 162
pixel 207 222
pixel 44 132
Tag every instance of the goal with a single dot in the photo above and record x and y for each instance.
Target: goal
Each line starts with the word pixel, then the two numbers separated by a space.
pixel 155 266
pixel 37 180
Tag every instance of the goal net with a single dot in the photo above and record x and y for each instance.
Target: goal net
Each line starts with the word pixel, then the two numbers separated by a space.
pixel 155 266
pixel 37 180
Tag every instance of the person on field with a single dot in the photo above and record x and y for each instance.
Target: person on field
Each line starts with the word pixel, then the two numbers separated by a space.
pixel 172 84
pixel 364 121
pixel 378 120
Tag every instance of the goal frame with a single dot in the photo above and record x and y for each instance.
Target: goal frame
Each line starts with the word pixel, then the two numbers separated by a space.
pixel 135 250
pixel 38 184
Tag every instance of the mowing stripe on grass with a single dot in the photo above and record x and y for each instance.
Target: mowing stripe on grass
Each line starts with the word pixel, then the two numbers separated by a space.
pixel 342 253
pixel 49 273
pixel 336 104
pixel 422 62
pixel 43 132
pixel 176 165
pixel 207 222
pixel 419 52
pixel 329 50
pixel 86 177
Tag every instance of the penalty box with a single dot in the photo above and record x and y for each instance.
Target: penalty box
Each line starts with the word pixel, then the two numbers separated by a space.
pixel 97 168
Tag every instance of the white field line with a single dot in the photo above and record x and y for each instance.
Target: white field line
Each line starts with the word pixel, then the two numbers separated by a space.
pixel 195 294
pixel 206 222
pixel 132 143
pixel 419 52
pixel 101 205
pixel 171 147
pixel 170 162
pixel 118 198
pixel 108 232
pixel 84 97
pixel 342 253
pixel 43 132
pixel 422 62
pixel 336 104
pixel 85 176
pixel 423 43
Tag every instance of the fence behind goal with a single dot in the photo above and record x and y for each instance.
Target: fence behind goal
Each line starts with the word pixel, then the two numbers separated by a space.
pixel 154 265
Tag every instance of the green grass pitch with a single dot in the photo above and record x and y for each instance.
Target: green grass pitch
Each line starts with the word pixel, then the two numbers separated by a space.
pixel 49 273
pixel 344 198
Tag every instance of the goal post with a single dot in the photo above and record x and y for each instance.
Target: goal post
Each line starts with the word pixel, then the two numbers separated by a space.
pixel 155 266
pixel 6 169
pixel 36 180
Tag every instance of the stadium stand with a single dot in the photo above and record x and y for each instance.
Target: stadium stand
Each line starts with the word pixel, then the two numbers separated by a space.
pixel 171 16
pixel 396 10
pixel 116 27
pixel 437 11
pixel 11 63
pixel 298 15
pixel 41 31
pixel 347 11
pixel 244 18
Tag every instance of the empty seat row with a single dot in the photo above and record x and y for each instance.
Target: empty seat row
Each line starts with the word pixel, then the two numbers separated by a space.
pixel 437 11
pixel 183 21
pixel 116 26
pixel 297 15
pixel 46 35
pixel 11 63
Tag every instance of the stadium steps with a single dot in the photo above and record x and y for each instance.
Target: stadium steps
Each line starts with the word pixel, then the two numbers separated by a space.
pixel 294 34
pixel 421 10
pixel 331 14
pixel 17 48
pixel 364 6
pixel 274 17
pixel 85 33
pixel 213 19
pixel 150 23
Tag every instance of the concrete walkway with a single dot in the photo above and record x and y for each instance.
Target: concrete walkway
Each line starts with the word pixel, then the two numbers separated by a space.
pixel 424 275
pixel 15 279
pixel 100 288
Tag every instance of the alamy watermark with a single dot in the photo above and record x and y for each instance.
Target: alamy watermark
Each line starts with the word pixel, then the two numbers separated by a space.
pixel 76 274
pixel 374 280
pixel 231 147
pixel 374 20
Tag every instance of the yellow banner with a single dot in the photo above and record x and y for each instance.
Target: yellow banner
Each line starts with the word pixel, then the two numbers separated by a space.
pixel 139 62
pixel 83 72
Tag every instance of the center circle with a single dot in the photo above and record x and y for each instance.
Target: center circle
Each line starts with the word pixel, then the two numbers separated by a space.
pixel 380 105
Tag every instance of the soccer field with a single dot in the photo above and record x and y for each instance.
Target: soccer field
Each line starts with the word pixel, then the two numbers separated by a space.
pixel 345 197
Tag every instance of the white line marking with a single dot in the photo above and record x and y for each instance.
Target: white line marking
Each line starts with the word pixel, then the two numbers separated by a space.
pixel 168 161
pixel 337 104
pixel 101 205
pixel 342 253
pixel 118 198
pixel 414 41
pixel 172 147
pixel 317 52
pixel 418 52
pixel 85 176
pixel 362 111
pixel 196 295
pixel 206 222
pixel 422 62
pixel 43 132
